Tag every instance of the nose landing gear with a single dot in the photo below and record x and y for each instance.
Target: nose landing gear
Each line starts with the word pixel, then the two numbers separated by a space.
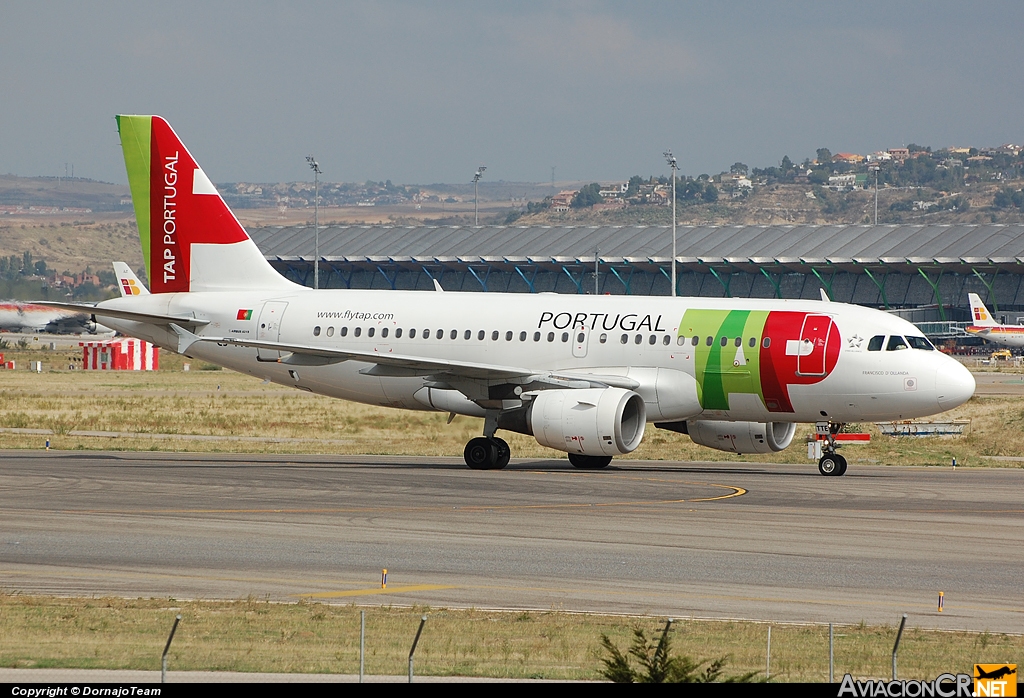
pixel 831 463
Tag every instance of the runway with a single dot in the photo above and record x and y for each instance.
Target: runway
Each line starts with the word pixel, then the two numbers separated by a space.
pixel 709 540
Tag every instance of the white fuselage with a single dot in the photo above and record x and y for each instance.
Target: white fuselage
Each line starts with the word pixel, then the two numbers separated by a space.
pixel 584 334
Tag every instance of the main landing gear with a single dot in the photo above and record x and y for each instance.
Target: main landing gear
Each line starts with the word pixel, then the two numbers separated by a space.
pixel 831 463
pixel 484 453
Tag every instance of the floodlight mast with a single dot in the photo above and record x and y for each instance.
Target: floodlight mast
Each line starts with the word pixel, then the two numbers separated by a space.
pixel 876 168
pixel 315 166
pixel 671 159
pixel 476 185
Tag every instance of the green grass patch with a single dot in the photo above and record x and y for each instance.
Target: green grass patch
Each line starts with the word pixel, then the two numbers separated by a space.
pixel 253 635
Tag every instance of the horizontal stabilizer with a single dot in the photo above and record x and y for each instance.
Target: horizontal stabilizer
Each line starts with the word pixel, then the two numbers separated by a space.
pixel 148 318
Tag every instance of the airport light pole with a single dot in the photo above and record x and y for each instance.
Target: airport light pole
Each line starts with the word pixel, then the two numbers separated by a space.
pixel 675 166
pixel 476 189
pixel 315 166
pixel 876 168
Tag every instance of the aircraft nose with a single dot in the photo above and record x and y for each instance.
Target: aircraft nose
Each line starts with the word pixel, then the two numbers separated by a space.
pixel 954 384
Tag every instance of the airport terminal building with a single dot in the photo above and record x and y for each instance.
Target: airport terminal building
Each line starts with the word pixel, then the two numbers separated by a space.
pixel 925 271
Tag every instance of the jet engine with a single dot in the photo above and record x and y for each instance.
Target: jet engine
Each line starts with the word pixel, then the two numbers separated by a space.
pixel 588 421
pixel 742 437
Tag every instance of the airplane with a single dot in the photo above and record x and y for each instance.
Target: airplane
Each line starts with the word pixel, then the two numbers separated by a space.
pixel 987 328
pixel 583 375
pixel 16 316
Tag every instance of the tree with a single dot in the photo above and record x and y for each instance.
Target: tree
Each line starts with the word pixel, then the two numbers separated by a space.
pixel 657 665
pixel 40 268
pixel 739 168
pixel 26 263
pixel 824 156
pixel 587 196
pixel 819 176
pixel 634 185
pixel 710 193
pixel 787 164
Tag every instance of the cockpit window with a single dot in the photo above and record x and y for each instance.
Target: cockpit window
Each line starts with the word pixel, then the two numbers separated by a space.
pixel 920 343
pixel 876 342
pixel 896 343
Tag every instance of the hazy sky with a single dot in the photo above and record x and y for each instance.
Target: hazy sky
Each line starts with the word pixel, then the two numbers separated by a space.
pixel 423 92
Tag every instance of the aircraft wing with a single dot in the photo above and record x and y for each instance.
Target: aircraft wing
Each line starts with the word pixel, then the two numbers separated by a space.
pixel 150 318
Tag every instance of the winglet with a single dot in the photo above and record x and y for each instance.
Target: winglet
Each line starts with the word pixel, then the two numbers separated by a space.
pixel 437 286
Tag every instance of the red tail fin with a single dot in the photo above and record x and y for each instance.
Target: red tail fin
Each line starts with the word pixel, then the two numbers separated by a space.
pixel 190 238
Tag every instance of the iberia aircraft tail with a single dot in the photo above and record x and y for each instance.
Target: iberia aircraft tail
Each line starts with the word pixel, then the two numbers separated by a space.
pixel 190 239
pixel 979 313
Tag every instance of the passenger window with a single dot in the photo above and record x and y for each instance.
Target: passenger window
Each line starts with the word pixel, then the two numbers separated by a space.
pixel 876 342
pixel 536 336
pixel 426 334
pixel 358 331
pixel 454 334
pixel 624 339
pixel 330 331
pixel 412 333
pixel 724 341
pixel 468 334
pixel 739 341
pixel 665 340
pixel 710 341
pixel 920 343
pixel 896 343
pixel 638 339
pixel 316 331
pixel 680 340
pixel 494 336
pixel 565 336
pixel 753 342
pixel 343 331
pixel 766 342
pixel 398 333
pixel 522 336
pixel 580 337
pixel 652 339
pixel 384 332
pixel 480 335
pixel 603 338
pixel 508 336
pixel 551 336
pixel 370 331
pixel 440 334
pixel 694 341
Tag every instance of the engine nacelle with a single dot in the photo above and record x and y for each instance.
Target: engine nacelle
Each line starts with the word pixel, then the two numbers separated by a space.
pixel 589 421
pixel 742 437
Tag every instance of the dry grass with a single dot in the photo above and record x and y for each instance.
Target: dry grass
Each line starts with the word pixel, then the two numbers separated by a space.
pixel 254 635
pixel 225 403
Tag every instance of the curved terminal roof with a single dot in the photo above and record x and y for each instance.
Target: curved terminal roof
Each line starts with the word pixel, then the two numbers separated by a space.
pixel 899 248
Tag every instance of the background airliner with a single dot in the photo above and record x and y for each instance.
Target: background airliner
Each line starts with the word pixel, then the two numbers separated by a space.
pixel 984 326
pixel 16 316
pixel 581 374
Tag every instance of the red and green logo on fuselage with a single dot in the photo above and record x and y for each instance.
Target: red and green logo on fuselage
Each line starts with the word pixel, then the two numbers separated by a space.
pixel 758 352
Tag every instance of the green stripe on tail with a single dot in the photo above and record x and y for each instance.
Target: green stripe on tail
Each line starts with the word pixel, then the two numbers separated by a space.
pixel 136 141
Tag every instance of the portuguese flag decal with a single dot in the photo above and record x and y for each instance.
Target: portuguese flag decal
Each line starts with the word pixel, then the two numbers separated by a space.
pixel 244 315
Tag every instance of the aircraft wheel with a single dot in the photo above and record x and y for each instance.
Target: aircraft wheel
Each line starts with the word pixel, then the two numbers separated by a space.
pixel 589 462
pixel 842 465
pixel 504 453
pixel 481 454
pixel 829 465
